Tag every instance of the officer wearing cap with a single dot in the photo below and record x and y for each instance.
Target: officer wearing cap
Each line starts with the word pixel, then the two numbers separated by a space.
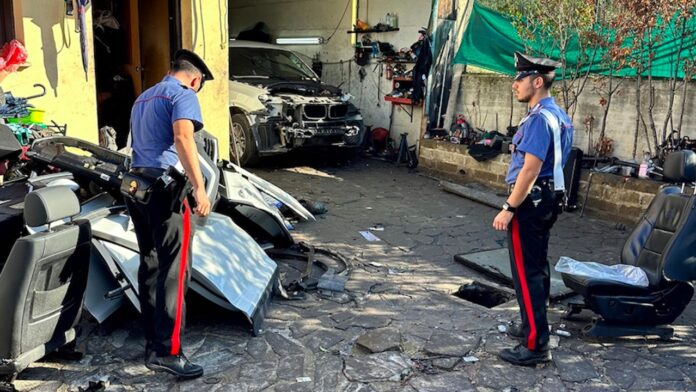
pixel 163 121
pixel 541 148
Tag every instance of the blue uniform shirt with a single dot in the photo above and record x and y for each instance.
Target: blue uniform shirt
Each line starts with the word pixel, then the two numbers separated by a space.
pixel 152 119
pixel 534 136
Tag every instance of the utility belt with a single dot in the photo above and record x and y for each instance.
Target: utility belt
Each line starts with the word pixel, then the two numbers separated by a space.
pixel 536 194
pixel 139 184
pixel 541 183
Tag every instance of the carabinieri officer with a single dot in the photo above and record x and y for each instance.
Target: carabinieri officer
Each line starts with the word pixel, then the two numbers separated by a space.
pixel 163 121
pixel 535 179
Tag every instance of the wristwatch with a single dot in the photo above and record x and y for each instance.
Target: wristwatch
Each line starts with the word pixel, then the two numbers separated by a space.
pixel 507 207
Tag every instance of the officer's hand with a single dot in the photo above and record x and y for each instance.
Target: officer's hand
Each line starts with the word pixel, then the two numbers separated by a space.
pixel 502 220
pixel 202 202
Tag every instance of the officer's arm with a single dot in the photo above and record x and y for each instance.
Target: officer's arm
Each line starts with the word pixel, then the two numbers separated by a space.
pixel 188 154
pixel 525 179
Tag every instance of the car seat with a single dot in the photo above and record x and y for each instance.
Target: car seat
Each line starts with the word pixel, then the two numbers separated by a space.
pixel 663 244
pixel 42 284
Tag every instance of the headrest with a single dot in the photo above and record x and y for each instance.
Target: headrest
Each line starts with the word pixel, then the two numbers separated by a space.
pixel 47 205
pixel 680 166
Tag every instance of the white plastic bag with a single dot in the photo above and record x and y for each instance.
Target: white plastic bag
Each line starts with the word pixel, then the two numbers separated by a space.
pixel 623 273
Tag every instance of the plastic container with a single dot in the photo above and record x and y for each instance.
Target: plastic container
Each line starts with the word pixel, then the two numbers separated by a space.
pixel 35 115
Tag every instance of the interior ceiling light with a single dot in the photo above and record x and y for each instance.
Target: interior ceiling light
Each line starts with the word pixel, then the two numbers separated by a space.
pixel 300 41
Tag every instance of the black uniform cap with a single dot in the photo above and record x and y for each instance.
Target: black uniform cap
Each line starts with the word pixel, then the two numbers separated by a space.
pixel 528 65
pixel 185 54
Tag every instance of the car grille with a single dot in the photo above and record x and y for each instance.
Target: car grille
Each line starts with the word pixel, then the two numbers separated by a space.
pixel 320 112
pixel 315 112
pixel 338 111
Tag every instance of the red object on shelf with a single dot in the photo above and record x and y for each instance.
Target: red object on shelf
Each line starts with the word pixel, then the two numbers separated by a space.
pixel 405 101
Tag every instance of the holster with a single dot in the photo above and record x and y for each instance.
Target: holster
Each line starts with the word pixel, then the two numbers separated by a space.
pixel 180 188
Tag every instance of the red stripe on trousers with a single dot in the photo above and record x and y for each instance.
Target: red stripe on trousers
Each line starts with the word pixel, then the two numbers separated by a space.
pixel 176 334
pixel 519 263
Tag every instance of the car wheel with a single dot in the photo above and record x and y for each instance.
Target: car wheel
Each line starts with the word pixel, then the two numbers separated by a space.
pixel 242 141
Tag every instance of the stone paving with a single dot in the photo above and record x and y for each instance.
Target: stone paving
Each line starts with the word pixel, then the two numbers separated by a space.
pixel 400 329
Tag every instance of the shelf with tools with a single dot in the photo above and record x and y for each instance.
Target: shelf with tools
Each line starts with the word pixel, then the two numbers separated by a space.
pixel 367 31
pixel 402 87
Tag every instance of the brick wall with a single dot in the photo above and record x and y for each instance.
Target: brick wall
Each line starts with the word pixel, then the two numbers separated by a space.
pixel 611 196
pixel 453 162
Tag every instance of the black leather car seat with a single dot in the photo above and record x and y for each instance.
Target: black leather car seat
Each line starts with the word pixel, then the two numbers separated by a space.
pixel 43 282
pixel 663 244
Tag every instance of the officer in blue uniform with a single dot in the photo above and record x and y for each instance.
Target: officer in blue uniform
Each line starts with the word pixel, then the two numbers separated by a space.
pixel 163 121
pixel 541 148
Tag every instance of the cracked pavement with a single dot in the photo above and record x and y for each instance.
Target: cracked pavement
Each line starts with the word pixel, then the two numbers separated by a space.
pixel 397 327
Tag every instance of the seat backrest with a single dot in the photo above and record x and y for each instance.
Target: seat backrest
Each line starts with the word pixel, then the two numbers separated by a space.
pixel 43 282
pixel 652 243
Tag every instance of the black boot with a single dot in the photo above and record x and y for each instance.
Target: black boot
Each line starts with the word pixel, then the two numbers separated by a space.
pixel 521 355
pixel 177 365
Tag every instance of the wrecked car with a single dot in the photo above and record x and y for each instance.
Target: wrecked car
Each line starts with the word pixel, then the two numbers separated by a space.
pixel 278 104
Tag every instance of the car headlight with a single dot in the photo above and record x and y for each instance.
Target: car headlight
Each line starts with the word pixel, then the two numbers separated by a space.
pixel 346 97
pixel 264 98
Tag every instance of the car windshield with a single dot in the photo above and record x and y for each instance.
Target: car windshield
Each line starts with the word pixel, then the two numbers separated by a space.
pixel 268 63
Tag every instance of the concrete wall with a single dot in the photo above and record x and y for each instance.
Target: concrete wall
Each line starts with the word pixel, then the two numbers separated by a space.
pixel 482 96
pixel 300 18
pixel 611 197
pixel 54 54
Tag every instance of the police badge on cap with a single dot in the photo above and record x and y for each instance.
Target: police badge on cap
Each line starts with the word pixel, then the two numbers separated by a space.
pixel 528 65
pixel 185 54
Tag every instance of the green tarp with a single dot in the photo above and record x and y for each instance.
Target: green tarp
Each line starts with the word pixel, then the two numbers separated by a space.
pixel 490 40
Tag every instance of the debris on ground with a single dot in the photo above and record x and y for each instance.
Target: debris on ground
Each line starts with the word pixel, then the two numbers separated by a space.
pixel 315 207
pixel 369 236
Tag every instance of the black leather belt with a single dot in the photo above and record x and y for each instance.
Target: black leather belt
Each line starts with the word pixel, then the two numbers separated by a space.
pixel 543 182
pixel 150 172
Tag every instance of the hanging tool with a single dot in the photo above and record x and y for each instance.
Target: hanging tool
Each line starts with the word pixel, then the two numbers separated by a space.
pixel 82 23
pixel 379 82
pixel 41 94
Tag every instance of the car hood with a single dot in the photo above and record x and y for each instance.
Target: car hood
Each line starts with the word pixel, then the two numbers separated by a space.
pixel 296 87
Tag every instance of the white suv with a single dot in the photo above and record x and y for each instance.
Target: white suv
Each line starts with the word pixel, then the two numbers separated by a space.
pixel 277 103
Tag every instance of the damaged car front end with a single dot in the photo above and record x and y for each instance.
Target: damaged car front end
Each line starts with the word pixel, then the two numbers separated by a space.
pixel 277 104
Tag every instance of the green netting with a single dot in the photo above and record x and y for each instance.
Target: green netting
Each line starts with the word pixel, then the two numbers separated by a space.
pixel 490 40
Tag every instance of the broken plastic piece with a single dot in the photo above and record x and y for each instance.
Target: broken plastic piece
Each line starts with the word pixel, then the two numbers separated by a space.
pixel 561 332
pixel 369 236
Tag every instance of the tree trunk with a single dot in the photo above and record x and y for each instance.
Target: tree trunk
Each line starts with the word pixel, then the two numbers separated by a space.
pixel 603 127
pixel 639 81
pixel 673 83
pixel 683 106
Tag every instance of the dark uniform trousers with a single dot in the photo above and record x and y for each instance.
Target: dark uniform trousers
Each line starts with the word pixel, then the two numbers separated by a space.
pixel 164 238
pixel 528 242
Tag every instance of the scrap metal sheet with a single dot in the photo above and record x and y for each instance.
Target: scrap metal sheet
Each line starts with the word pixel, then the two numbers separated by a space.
pixel 496 265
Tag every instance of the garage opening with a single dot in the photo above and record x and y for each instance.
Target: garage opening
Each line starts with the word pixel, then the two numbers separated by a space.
pixel 128 60
pixel 483 294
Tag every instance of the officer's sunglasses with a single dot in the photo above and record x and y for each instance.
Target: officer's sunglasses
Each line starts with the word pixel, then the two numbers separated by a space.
pixel 200 87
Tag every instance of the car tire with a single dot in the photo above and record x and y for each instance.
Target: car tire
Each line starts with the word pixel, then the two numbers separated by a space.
pixel 240 130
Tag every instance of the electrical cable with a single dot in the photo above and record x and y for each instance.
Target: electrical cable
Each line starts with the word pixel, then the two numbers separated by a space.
pixel 340 20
